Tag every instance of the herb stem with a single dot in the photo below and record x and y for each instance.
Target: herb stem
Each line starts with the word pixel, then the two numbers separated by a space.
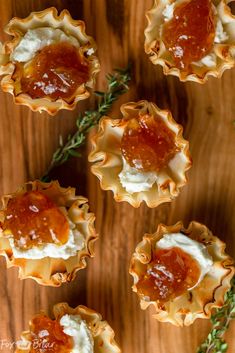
pixel 118 84
pixel 220 320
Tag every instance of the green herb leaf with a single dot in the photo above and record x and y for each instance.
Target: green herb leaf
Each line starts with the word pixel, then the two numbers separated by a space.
pixel 220 320
pixel 118 84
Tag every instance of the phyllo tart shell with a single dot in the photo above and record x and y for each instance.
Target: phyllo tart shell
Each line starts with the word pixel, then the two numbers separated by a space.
pixel 223 49
pixel 108 161
pixel 17 28
pixel 102 333
pixel 203 298
pixel 52 271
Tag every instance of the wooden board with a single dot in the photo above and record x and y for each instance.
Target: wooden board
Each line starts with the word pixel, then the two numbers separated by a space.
pixel 27 141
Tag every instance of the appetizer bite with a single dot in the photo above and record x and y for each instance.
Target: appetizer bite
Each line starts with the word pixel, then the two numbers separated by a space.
pixel 47 232
pixel 191 39
pixel 79 330
pixel 49 63
pixel 142 156
pixel 184 273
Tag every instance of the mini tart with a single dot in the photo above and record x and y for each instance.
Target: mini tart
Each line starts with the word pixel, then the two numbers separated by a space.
pixel 208 294
pixel 159 55
pixel 53 271
pixel 102 333
pixel 107 157
pixel 47 18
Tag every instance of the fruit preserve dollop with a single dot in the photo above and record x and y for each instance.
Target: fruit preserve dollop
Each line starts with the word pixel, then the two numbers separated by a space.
pixel 189 35
pixel 170 274
pixel 56 72
pixel 47 336
pixel 147 143
pixel 33 219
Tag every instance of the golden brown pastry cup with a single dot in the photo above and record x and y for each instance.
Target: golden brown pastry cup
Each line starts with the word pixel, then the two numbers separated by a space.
pixel 207 295
pixel 159 55
pixel 17 28
pixel 107 158
pixel 101 332
pixel 54 271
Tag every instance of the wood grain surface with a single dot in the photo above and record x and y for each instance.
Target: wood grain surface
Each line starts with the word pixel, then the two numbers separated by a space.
pixel 27 141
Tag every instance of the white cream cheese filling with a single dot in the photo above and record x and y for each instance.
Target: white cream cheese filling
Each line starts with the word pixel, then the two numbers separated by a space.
pixel 75 243
pixel 35 39
pixel 197 250
pixel 77 328
pixel 221 36
pixel 135 181
pixel 168 12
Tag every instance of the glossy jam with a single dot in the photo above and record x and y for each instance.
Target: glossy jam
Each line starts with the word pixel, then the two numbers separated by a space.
pixel 47 336
pixel 33 219
pixel 170 274
pixel 190 34
pixel 147 143
pixel 55 72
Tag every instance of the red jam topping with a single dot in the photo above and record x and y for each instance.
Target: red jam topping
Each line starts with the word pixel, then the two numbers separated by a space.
pixel 190 34
pixel 147 143
pixel 169 275
pixel 55 72
pixel 47 336
pixel 33 219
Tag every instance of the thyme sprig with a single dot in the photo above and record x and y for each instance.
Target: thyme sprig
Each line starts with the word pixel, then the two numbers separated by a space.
pixel 118 84
pixel 220 320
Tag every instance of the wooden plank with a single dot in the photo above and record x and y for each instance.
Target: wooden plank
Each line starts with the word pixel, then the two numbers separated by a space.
pixel 27 141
